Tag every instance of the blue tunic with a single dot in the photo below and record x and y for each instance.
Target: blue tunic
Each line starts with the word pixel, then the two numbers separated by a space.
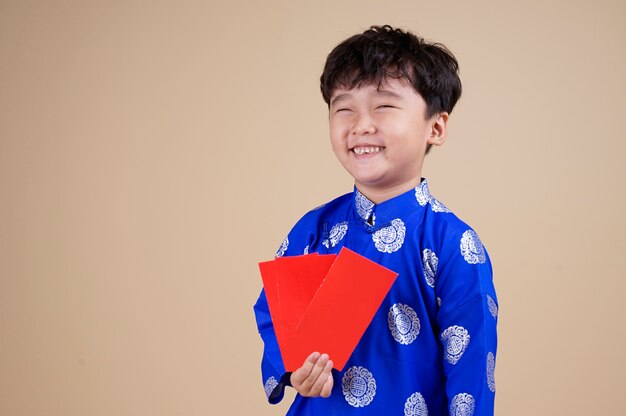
pixel 431 346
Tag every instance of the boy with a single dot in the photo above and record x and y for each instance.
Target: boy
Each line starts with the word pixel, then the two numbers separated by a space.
pixel 430 348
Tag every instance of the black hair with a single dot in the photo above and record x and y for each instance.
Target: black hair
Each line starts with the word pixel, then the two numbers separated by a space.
pixel 383 52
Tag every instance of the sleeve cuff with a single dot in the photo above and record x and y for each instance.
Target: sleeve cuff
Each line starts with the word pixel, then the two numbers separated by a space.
pixel 279 391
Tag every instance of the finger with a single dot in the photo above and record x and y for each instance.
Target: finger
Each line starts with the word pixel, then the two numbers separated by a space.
pixel 303 372
pixel 309 362
pixel 322 379
pixel 309 382
pixel 328 387
pixel 317 369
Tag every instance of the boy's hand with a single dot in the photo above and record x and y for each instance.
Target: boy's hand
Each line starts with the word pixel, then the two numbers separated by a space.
pixel 314 378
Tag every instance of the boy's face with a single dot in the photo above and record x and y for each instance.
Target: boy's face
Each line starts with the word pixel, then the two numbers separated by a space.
pixel 380 135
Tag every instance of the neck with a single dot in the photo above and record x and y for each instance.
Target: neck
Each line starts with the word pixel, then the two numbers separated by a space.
pixel 381 194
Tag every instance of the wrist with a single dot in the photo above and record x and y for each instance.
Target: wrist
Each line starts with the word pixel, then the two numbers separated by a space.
pixel 286 379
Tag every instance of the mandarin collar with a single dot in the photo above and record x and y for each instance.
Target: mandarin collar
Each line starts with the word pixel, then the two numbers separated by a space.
pixel 400 206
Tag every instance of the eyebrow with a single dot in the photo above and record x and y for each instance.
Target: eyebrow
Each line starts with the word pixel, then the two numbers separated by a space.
pixel 386 93
pixel 381 93
pixel 340 97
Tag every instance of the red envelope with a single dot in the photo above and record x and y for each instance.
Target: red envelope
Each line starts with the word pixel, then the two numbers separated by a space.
pixel 323 303
pixel 298 279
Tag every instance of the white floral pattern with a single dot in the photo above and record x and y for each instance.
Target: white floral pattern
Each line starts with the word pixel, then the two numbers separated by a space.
pixel 363 206
pixel 358 386
pixel 390 239
pixel 493 308
pixel 437 206
pixel 430 262
pixel 336 234
pixel 415 405
pixel 403 323
pixel 422 193
pixel 462 405
pixel 491 369
pixel 283 247
pixel 455 340
pixel 270 385
pixel 472 248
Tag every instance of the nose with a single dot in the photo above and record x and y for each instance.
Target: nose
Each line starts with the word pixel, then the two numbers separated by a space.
pixel 363 125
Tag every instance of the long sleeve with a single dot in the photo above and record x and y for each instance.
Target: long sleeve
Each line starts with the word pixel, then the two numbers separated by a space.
pixel 467 321
pixel 275 378
pixel 272 369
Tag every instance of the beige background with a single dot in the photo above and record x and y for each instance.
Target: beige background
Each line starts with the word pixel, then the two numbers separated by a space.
pixel 151 153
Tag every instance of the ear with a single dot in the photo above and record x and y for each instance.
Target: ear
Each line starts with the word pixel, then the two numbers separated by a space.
pixel 438 129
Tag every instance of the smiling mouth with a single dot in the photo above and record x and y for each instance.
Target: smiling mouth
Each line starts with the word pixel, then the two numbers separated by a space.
pixel 364 150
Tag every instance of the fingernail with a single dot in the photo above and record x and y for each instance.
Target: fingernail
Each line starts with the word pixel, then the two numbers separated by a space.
pixel 325 356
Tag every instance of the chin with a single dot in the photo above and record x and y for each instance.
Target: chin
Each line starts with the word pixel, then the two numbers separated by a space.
pixel 367 178
pixel 369 182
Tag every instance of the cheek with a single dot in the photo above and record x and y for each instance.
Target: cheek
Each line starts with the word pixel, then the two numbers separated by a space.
pixel 339 149
pixel 336 137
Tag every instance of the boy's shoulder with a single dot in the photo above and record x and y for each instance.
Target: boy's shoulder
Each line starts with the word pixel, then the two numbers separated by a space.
pixel 436 224
pixel 451 236
pixel 437 216
pixel 335 208
pixel 309 227
pixel 443 219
